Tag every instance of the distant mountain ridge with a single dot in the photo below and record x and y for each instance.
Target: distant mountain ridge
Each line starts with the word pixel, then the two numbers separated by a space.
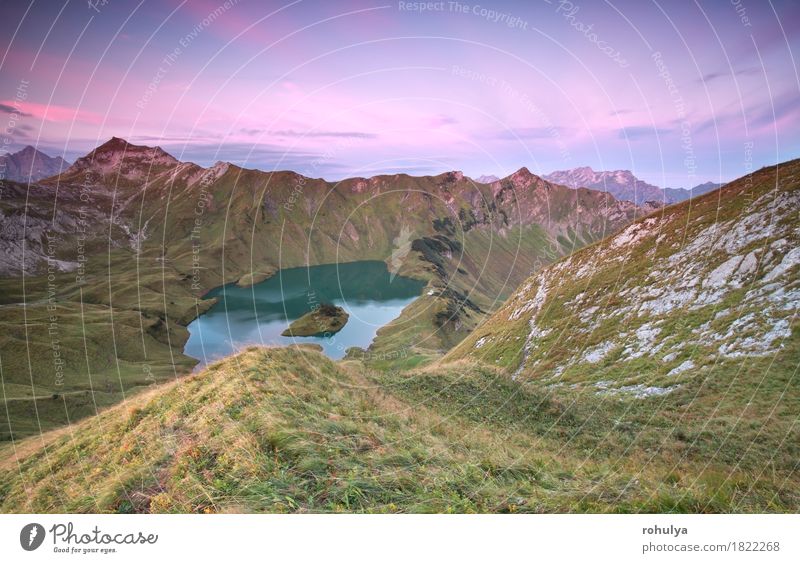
pixel 624 185
pixel 675 195
pixel 149 173
pixel 30 164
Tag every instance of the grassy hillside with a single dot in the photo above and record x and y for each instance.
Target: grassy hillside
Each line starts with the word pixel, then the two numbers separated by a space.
pixel 705 284
pixel 288 430
pixel 686 319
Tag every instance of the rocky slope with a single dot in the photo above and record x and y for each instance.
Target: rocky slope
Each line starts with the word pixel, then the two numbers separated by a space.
pixel 707 287
pixel 30 165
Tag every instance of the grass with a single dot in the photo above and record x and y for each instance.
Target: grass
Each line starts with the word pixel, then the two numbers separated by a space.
pixel 288 430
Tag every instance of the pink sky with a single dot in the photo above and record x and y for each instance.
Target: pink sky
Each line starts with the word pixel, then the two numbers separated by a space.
pixel 358 88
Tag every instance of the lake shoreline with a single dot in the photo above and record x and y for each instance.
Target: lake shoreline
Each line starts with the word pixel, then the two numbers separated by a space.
pixel 242 316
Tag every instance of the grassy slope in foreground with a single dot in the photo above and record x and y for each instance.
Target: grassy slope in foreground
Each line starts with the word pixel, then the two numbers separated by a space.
pixel 288 430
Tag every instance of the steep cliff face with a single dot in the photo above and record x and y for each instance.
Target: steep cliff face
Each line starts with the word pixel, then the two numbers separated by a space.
pixel 707 283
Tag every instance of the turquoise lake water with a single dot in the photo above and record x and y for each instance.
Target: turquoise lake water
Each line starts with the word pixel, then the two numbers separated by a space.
pixel 257 315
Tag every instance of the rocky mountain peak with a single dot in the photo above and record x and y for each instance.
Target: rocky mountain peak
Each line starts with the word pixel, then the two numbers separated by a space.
pixel 118 156
pixel 452 176
pixel 487 179
pixel 622 184
pixel 625 175
pixel 28 151
pixel 521 178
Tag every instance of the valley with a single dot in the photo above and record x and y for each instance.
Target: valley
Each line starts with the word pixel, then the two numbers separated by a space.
pixel 121 250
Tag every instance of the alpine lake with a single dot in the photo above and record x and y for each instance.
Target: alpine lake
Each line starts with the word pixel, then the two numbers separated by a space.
pixel 257 315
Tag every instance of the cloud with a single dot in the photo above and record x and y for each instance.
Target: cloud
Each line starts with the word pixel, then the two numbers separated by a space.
pixel 252 132
pixel 529 133
pixel 440 120
pixel 780 107
pixel 736 73
pixel 265 157
pixel 412 169
pixel 323 134
pixel 5 108
pixel 777 112
pixel 22 131
pixel 53 113
pixel 269 157
pixel 640 132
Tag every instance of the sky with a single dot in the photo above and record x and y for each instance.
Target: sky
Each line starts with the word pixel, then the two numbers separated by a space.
pixel 678 92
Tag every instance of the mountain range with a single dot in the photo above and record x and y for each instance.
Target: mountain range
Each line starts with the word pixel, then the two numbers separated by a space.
pixel 675 195
pixel 132 240
pixel 30 164
pixel 623 185
pixel 651 370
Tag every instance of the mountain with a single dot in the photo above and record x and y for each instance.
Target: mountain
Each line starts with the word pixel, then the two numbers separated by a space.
pixel 31 165
pixel 684 324
pixel 621 184
pixel 675 195
pixel 487 179
pixel 692 295
pixel 134 239
pixel 119 159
